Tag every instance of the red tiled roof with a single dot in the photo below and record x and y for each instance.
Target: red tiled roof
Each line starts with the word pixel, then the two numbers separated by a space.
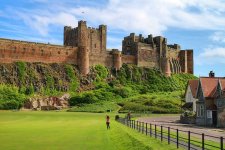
pixel 208 86
pixel 193 85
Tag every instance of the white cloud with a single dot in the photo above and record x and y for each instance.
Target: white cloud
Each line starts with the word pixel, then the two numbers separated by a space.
pixel 211 55
pixel 218 36
pixel 218 52
pixel 42 21
pixel 143 16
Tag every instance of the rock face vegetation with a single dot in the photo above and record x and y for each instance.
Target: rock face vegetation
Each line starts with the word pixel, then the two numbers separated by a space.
pixel 131 88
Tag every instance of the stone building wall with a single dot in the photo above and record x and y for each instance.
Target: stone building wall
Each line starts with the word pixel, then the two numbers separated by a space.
pixel 85 47
pixel 129 59
pixel 154 52
pixel 14 50
pixel 147 56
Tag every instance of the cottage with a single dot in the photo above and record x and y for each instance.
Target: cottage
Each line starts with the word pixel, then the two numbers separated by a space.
pixel 207 96
pixel 190 96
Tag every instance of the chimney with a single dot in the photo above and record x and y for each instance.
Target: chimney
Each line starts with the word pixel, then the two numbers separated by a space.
pixel 211 74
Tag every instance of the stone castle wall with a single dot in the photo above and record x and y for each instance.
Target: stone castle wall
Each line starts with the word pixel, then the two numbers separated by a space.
pixel 154 52
pixel 85 47
pixel 14 50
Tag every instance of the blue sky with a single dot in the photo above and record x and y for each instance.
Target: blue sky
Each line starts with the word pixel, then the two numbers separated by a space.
pixel 194 24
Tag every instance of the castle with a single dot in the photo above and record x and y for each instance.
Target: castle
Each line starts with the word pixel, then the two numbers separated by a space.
pixel 85 46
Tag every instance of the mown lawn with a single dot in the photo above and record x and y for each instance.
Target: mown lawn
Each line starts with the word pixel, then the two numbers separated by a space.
pixel 69 130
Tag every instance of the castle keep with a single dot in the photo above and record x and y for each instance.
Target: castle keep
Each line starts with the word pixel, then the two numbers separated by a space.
pixel 85 47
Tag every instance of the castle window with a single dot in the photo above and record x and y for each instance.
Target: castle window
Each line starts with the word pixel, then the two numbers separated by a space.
pixel 24 49
pixel 58 52
pixel 14 49
pixel 66 53
pixel 33 50
pixel 42 52
pixel 95 46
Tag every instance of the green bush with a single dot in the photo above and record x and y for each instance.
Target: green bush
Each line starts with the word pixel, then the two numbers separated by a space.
pixel 11 104
pixel 10 98
pixel 29 90
pixel 163 102
pixel 145 80
pixel 50 82
pixel 21 66
pixel 92 97
pixel 101 72
pixel 124 92
pixel 74 83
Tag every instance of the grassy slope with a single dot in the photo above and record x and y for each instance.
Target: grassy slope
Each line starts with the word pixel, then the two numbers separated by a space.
pixel 63 130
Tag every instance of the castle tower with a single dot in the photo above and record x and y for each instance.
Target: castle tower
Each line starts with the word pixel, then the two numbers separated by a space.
pixel 117 60
pixel 83 52
pixel 161 43
pixel 167 68
pixel 190 61
pixel 103 35
pixel 67 32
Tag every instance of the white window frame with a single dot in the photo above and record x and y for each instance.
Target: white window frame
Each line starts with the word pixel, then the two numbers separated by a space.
pixel 209 113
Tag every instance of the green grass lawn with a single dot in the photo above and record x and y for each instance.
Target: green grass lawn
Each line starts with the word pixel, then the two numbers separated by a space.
pixel 69 130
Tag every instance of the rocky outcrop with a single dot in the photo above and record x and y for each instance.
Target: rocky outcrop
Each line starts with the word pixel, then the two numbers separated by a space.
pixel 47 103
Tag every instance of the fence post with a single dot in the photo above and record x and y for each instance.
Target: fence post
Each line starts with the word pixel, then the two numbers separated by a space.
pixel 146 128
pixel 150 129
pixel 155 132
pixel 221 143
pixel 177 138
pixel 161 133
pixel 189 140
pixel 143 127
pixel 203 141
pixel 139 124
pixel 168 135
pixel 134 124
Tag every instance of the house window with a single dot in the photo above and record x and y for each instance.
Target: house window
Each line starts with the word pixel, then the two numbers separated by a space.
pixel 198 111
pixel 201 110
pixel 209 113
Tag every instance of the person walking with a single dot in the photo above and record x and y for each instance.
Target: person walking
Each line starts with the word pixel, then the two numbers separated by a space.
pixel 108 122
pixel 128 116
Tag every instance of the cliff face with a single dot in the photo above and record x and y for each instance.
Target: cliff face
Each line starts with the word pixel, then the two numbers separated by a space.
pixel 47 78
pixel 39 75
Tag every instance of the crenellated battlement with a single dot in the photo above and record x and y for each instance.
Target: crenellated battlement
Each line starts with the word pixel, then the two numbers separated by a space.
pixel 86 46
